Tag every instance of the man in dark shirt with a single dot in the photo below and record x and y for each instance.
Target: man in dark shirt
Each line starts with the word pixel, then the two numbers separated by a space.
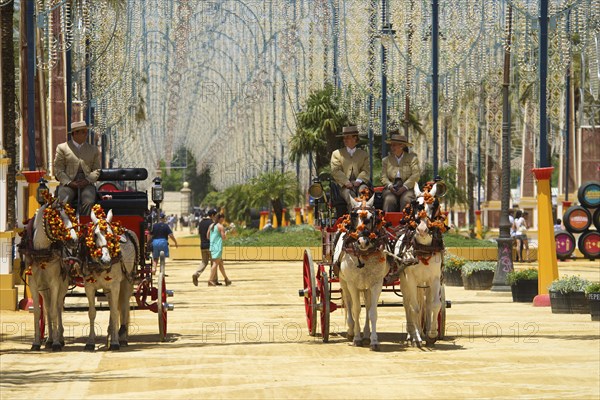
pixel 203 226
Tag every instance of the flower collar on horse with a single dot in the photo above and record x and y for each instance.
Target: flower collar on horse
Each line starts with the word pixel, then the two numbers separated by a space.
pixel 112 231
pixel 53 223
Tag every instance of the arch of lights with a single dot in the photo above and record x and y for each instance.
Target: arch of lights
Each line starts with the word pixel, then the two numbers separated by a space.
pixel 224 78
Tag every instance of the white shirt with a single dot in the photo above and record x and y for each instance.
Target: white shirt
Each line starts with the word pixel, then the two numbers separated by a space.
pixel 77 144
pixel 351 151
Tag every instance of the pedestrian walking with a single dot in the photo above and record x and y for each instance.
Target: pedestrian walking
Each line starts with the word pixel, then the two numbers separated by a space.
pixel 159 235
pixel 203 227
pixel 216 233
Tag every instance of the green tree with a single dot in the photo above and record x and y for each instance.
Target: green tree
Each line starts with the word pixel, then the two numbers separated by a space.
pixel 173 178
pixel 277 189
pixel 317 125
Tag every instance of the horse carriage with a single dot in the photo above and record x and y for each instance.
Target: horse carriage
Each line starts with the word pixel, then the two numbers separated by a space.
pixel 369 251
pixel 61 251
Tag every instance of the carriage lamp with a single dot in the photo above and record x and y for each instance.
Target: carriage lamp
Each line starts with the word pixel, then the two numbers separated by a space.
pixel 316 189
pixel 157 191
pixel 42 188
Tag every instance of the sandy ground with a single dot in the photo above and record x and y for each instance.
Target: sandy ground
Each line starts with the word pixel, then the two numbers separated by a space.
pixel 250 340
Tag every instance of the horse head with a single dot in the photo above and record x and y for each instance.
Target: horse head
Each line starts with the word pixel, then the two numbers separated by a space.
pixel 54 222
pixel 100 237
pixel 365 223
pixel 427 200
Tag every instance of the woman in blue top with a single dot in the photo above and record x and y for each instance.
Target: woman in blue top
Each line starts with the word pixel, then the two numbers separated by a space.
pixel 160 234
pixel 216 234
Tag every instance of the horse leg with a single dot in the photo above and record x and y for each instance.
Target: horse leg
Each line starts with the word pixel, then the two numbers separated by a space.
pixel 124 296
pixel 347 299
pixel 371 308
pixel 355 295
pixel 366 332
pixel 37 314
pixel 113 327
pixel 53 325
pixel 411 307
pixel 433 307
pixel 46 308
pixel 90 292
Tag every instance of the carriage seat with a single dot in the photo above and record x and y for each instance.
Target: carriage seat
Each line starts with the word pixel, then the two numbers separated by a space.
pixel 122 202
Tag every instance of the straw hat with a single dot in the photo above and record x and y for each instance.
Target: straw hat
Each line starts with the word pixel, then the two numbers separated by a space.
pixel 78 126
pixel 349 130
pixel 395 137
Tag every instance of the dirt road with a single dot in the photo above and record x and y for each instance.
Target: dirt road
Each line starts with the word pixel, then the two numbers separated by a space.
pixel 250 340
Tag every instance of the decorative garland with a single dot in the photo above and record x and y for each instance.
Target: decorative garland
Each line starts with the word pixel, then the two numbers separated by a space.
pixel 113 240
pixel 55 227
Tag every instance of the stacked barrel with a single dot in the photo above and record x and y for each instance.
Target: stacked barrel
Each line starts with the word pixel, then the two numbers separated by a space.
pixel 580 220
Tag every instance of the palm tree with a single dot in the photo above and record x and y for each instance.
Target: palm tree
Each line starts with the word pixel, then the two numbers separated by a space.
pixel 9 129
pixel 317 126
pixel 276 188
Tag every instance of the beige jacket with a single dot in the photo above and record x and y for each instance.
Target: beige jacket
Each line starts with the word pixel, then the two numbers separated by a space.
pixel 68 159
pixel 408 167
pixel 343 166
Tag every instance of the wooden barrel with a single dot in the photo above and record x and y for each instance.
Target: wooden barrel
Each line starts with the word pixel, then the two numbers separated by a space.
pixel 565 244
pixel 577 219
pixel 589 244
pixel 589 194
pixel 596 218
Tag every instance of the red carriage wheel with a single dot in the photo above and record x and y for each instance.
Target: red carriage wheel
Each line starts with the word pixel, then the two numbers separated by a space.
pixel 323 300
pixel 309 292
pixel 162 300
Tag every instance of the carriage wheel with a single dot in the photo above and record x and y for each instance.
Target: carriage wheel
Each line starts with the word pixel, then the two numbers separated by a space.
pixel 323 300
pixel 308 281
pixel 162 300
pixel 442 314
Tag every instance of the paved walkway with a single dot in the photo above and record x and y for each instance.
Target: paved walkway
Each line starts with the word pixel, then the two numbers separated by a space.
pixel 250 340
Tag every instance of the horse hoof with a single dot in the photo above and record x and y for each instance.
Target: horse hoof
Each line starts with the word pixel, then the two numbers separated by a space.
pixel 56 347
pixel 123 343
pixel 62 343
pixel 114 347
pixel 48 345
pixel 430 342
pixel 350 338
pixel 375 347
pixel 366 341
pixel 89 347
pixel 357 343
pixel 36 347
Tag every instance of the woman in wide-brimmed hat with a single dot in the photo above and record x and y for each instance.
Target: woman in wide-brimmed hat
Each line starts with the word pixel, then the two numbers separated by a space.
pixel 350 166
pixel 399 172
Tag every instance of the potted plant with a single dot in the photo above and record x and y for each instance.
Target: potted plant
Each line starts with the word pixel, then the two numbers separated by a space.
pixel 567 295
pixel 452 269
pixel 478 275
pixel 593 296
pixel 523 284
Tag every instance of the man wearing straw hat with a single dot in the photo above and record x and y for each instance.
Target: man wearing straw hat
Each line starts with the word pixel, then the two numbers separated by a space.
pixel 399 173
pixel 77 168
pixel 350 166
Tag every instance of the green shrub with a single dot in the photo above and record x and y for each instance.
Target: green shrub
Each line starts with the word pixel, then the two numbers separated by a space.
pixel 472 266
pixel 569 284
pixel 453 262
pixel 530 274
pixel 593 287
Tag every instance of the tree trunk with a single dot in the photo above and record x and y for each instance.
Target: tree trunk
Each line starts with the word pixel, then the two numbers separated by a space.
pixel 277 210
pixel 8 106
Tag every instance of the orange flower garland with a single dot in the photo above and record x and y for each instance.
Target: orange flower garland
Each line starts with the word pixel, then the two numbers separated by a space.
pixel 112 239
pixel 55 224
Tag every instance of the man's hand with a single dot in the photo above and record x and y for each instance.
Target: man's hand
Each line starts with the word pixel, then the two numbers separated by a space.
pixel 349 185
pixel 78 184
pixel 357 183
pixel 399 191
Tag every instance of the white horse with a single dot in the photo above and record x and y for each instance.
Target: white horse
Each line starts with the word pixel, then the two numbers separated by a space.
pixel 363 267
pixel 113 271
pixel 421 283
pixel 42 248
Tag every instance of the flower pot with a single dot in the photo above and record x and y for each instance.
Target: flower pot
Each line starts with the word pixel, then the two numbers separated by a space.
pixel 452 278
pixel 478 280
pixel 594 303
pixel 569 303
pixel 524 291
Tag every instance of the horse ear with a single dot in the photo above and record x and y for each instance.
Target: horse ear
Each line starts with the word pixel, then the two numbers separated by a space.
pixel 109 215
pixel 354 203
pixel 93 217
pixel 418 192
pixel 433 190
pixel 371 201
